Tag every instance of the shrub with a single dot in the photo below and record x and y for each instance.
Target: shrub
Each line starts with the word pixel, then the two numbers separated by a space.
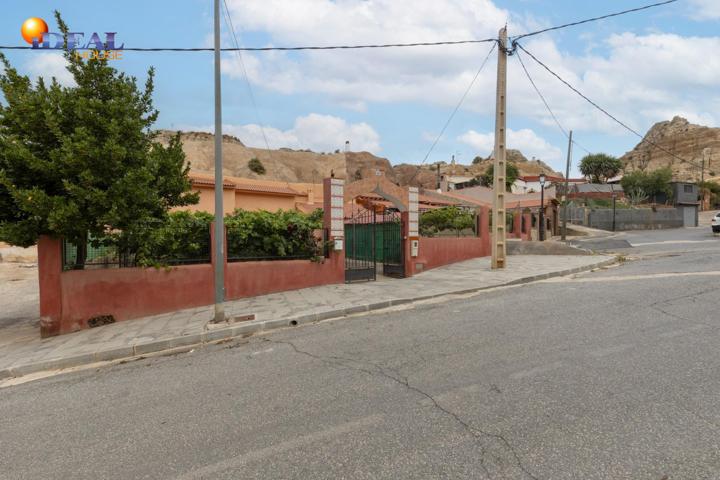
pixel 433 222
pixel 182 237
pixel 263 234
pixel 256 166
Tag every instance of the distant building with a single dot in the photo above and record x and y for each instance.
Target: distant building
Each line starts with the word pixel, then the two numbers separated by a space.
pixel 595 191
pixel 449 183
pixel 252 194
pixel 531 183
pixel 686 197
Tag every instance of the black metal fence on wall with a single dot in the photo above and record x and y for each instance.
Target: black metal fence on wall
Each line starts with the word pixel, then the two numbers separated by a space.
pixel 98 256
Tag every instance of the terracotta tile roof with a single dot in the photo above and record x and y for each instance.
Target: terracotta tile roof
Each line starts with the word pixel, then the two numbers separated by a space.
pixel 483 196
pixel 266 189
pixel 308 207
pixel 209 182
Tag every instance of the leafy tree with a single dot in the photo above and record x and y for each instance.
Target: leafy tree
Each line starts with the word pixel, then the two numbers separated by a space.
pixel 712 190
pixel 477 160
pixel 511 171
pixel 639 186
pixel 81 161
pixel 255 165
pixel 600 167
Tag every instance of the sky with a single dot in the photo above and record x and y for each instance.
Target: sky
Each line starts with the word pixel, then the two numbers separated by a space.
pixel 643 68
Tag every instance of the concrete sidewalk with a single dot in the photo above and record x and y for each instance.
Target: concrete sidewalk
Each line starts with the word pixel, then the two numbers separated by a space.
pixel 21 354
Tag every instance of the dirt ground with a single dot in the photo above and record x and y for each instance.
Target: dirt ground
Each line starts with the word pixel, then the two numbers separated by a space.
pixel 19 300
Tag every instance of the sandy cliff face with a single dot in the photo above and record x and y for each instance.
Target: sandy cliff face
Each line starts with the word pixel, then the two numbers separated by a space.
pixel 692 143
pixel 284 164
pixel 310 167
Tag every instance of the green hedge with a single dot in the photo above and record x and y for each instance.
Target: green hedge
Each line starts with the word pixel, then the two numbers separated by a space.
pixel 453 219
pixel 282 234
pixel 184 237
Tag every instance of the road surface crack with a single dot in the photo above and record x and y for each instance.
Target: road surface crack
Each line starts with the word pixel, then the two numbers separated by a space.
pixel 361 366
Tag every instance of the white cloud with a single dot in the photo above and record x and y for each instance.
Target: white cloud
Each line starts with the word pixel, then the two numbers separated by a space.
pixel 635 77
pixel 354 78
pixel 706 9
pixel 48 65
pixel 525 140
pixel 320 133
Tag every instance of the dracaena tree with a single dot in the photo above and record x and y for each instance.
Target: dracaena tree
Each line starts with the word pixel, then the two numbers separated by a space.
pixel 600 167
pixel 81 161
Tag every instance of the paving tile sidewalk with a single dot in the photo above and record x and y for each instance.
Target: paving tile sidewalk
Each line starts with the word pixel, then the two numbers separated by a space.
pixel 22 355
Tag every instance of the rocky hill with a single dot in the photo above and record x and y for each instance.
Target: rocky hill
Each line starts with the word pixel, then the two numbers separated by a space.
pixel 306 166
pixel 284 164
pixel 427 176
pixel 692 143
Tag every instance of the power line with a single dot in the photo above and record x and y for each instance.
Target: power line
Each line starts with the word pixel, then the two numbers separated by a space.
pixel 527 73
pixel 595 19
pixel 272 49
pixel 229 22
pixel 615 119
pixel 454 112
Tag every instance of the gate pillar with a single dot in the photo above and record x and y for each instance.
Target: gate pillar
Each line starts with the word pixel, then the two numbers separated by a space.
pixel 333 221
pixel 411 229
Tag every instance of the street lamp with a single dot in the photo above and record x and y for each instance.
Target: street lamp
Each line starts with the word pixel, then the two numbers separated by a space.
pixel 542 207
pixel 614 198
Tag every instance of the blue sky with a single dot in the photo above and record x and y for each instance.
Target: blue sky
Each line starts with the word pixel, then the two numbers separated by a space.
pixel 643 67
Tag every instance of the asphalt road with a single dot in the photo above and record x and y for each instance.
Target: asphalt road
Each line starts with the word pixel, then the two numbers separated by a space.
pixel 606 375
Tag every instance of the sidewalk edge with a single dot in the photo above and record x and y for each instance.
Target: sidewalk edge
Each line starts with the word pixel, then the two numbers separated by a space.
pixel 251 328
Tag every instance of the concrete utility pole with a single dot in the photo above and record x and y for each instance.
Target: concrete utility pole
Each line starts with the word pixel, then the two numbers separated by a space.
pixel 219 210
pixel 706 154
pixel 499 248
pixel 567 188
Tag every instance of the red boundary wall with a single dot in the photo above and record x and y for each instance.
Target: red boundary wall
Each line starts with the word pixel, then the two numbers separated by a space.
pixel 439 251
pixel 68 300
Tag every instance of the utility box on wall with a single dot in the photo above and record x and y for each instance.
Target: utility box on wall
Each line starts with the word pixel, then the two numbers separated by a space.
pixel 414 247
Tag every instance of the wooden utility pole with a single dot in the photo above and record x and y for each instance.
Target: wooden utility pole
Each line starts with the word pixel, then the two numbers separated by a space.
pixel 567 188
pixel 499 247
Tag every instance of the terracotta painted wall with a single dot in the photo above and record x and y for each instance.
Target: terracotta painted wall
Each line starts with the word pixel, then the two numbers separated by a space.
pixel 436 252
pixel 207 200
pixel 127 293
pixel 248 279
pixel 271 203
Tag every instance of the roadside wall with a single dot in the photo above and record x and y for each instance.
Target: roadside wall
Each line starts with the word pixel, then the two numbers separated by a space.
pixel 627 219
pixel 77 299
pixel 438 251
pixel 249 279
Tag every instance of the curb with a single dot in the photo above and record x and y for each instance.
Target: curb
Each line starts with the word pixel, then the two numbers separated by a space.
pixel 251 328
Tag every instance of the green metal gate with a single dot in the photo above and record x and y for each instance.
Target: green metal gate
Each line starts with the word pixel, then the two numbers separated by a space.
pixel 393 254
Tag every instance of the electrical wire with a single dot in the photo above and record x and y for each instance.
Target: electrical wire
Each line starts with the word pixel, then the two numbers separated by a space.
pixel 454 112
pixel 228 21
pixel 608 114
pixel 557 122
pixel 595 19
pixel 273 49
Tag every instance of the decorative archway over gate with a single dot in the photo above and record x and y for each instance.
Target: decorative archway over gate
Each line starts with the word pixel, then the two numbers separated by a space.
pixel 376 231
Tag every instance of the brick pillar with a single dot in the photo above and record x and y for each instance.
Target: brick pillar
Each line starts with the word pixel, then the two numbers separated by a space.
pixel 517 225
pixel 412 229
pixel 484 229
pixel 333 221
pixel 49 274
pixel 527 234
